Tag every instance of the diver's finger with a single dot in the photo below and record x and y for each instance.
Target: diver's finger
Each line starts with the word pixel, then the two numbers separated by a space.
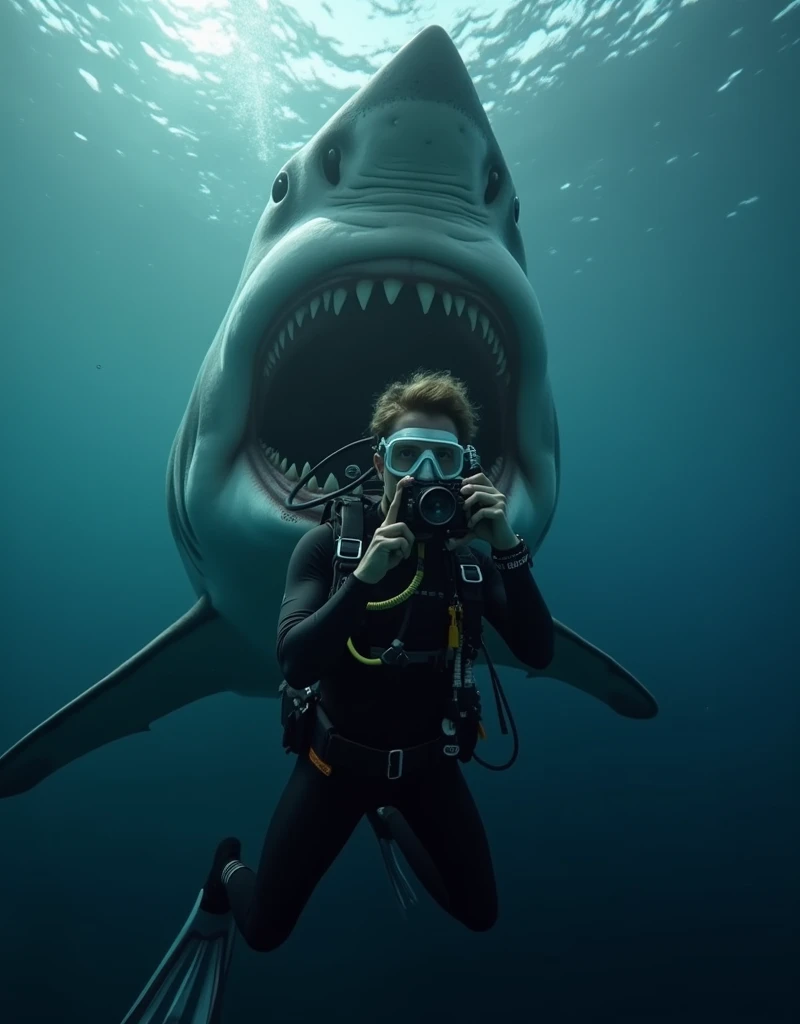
pixel 395 530
pixel 478 479
pixel 394 508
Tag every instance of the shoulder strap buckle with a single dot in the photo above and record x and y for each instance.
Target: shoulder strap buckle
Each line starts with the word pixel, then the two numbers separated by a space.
pixel 349 548
pixel 469 569
pixel 471 572
pixel 350 543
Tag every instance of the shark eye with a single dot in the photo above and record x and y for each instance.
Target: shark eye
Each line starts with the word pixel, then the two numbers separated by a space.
pixel 330 165
pixel 492 186
pixel 280 187
pixel 516 209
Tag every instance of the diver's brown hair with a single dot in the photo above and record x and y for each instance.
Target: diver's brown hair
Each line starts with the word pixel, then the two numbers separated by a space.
pixel 434 392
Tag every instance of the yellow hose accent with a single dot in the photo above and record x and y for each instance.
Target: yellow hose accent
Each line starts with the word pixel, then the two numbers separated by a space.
pixel 392 602
pixel 360 657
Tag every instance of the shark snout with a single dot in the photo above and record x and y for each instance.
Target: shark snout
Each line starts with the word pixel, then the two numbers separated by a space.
pixel 417 138
pixel 428 69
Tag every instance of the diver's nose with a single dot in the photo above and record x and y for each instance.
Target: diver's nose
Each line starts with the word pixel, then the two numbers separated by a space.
pixel 428 68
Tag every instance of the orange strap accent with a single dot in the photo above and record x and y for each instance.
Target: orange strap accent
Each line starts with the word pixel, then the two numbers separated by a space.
pixel 317 761
pixel 481 731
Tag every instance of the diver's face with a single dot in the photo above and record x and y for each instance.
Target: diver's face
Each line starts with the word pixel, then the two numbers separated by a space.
pixel 420 420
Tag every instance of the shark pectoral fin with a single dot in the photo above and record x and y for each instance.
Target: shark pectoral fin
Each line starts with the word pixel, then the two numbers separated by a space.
pixel 586 667
pixel 195 657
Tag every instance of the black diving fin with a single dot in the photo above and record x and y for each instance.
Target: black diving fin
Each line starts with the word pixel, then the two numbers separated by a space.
pixel 380 819
pixel 187 987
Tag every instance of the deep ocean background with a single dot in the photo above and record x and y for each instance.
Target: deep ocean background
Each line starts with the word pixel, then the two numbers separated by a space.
pixel 647 870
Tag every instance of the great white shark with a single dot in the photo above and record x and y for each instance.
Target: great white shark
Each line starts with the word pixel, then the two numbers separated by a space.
pixel 390 242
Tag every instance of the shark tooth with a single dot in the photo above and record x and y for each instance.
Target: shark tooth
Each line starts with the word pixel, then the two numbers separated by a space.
pixel 326 300
pixel 447 302
pixel 312 484
pixel 391 289
pixel 460 302
pixel 300 315
pixel 358 490
pixel 292 474
pixel 338 300
pixel 290 329
pixel 313 306
pixel 331 484
pixel 284 465
pixel 484 322
pixel 426 293
pixel 271 360
pixel 306 471
pixel 472 313
pixel 282 339
pixel 363 292
pixel 275 458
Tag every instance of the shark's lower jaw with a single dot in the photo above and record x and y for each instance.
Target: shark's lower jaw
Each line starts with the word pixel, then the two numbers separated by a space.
pixel 329 354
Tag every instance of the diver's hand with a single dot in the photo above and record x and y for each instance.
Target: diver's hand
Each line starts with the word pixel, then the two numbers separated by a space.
pixel 390 544
pixel 485 508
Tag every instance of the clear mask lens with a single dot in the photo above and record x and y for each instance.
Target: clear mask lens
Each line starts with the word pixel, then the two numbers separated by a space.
pixel 438 456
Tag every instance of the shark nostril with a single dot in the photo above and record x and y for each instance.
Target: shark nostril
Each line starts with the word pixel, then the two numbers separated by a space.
pixel 331 165
pixel 493 184
pixel 516 209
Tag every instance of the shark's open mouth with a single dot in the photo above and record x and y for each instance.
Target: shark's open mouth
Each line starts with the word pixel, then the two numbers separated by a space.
pixel 333 350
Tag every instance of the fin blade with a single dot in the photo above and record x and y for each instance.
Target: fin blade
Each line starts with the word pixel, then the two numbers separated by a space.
pixel 197 656
pixel 188 984
pixel 584 666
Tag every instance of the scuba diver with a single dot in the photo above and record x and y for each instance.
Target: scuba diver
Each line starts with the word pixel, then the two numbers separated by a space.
pixel 379 630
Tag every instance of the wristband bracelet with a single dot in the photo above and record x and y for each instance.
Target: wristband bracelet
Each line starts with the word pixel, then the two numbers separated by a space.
pixel 514 558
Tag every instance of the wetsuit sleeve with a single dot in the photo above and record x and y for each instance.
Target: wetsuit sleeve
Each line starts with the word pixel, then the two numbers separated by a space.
pixel 312 629
pixel 517 610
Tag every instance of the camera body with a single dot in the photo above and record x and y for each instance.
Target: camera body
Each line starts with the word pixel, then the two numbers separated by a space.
pixel 434 509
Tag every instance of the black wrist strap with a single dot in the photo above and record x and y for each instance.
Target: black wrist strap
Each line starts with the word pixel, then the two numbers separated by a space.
pixel 514 558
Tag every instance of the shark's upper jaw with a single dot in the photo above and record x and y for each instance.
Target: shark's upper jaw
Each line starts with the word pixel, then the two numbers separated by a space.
pixel 339 342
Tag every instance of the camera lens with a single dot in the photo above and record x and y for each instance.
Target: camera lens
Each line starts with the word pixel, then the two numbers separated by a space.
pixel 437 506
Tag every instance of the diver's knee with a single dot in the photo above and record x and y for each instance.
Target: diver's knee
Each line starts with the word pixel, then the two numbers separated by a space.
pixel 481 919
pixel 481 924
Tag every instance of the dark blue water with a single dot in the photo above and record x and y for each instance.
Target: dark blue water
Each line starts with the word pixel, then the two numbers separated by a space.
pixel 647 870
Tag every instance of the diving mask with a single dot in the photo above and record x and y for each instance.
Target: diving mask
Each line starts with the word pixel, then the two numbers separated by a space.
pixel 423 454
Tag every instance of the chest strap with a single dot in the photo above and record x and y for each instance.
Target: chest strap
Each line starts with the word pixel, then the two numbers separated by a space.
pixel 469 587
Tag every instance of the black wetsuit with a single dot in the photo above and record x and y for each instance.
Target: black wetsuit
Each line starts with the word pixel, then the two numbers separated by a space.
pixel 385 708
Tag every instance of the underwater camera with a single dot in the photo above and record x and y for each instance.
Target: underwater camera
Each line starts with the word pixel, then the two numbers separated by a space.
pixel 434 510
